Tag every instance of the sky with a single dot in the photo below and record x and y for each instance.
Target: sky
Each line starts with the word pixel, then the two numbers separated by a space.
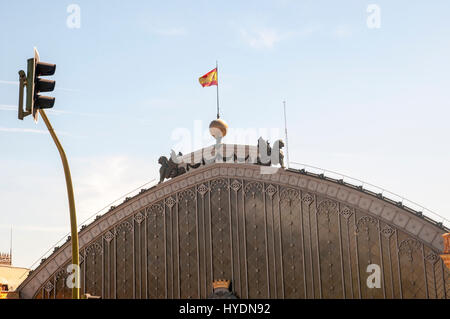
pixel 366 98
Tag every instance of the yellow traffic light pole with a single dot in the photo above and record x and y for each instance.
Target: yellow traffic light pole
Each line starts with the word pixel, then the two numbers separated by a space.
pixel 34 86
pixel 73 216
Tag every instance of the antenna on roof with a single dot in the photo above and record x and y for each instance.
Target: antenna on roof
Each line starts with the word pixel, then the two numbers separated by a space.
pixel 286 134
pixel 10 246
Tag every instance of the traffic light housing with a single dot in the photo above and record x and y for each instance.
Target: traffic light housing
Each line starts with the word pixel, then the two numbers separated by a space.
pixel 35 85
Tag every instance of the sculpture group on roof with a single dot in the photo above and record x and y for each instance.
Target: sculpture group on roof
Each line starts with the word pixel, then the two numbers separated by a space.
pixel 265 155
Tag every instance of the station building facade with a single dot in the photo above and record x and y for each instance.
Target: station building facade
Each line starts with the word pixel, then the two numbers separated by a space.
pixel 288 234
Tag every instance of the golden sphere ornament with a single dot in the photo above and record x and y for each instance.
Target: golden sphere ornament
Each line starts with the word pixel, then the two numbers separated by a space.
pixel 218 128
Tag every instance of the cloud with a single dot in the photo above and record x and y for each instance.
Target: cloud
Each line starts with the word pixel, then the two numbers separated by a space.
pixel 159 25
pixel 22 130
pixel 267 38
pixel 9 82
pixel 62 112
pixel 171 31
pixel 56 88
pixel 308 30
pixel 98 181
pixel 263 38
pixel 4 107
pixel 342 31
pixel 35 131
pixel 66 89
pixel 101 180
pixel 160 103
pixel 35 228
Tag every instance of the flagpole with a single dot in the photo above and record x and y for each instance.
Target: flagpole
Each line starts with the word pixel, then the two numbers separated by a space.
pixel 217 86
pixel 286 134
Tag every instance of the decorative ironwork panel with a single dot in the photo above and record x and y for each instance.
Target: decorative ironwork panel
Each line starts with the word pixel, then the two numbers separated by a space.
pixel 220 221
pixel 411 258
pixel 62 290
pixel 346 231
pixel 238 269
pixel 255 242
pixel 330 249
pixel 188 245
pixel 156 257
pixel 389 280
pixel 368 237
pixel 124 261
pixel 446 280
pixel 109 257
pixel 139 252
pixel 431 259
pixel 93 256
pixel 307 205
pixel 293 262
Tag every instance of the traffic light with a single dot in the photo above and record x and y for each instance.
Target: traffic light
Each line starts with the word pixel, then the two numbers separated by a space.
pixel 35 85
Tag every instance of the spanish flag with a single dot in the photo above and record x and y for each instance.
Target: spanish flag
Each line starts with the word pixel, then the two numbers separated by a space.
pixel 209 78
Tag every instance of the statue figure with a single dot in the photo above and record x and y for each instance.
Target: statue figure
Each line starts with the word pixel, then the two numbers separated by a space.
pixel 264 152
pixel 170 168
pixel 267 155
pixel 278 156
pixel 177 159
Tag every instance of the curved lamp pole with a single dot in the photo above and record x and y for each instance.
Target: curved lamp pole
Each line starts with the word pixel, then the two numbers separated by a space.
pixel 73 216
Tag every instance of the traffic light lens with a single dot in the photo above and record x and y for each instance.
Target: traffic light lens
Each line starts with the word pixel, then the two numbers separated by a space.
pixel 43 85
pixel 43 68
pixel 44 102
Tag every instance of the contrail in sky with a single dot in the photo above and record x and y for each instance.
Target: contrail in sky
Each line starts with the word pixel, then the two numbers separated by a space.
pixel 6 107
pixel 9 82
pixel 21 130
pixel 56 88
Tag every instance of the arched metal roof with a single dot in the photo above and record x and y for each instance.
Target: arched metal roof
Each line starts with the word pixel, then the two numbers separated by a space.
pixel 418 227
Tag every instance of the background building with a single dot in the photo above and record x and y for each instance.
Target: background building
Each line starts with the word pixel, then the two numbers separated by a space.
pixel 10 277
